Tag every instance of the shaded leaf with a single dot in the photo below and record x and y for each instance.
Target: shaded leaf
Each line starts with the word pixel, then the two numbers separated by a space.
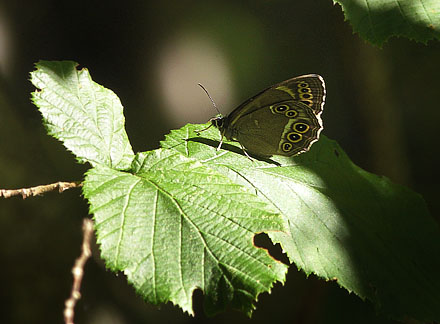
pixel 378 20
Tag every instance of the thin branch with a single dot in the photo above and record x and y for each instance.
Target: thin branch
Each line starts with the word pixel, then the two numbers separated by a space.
pixel 78 272
pixel 39 190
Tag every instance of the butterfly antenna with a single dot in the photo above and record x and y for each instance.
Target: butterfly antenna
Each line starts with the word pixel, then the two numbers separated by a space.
pixel 209 96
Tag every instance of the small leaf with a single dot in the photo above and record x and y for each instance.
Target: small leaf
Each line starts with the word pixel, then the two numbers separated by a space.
pixel 378 20
pixel 174 226
pixel 373 237
pixel 85 116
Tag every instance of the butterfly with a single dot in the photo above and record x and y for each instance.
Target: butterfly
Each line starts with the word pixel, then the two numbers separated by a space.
pixel 284 119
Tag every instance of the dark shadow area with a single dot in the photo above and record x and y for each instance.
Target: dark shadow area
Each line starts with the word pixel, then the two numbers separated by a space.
pixel 381 225
pixel 232 148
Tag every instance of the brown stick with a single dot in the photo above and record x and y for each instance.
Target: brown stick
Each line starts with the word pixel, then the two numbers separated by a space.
pixel 78 272
pixel 39 190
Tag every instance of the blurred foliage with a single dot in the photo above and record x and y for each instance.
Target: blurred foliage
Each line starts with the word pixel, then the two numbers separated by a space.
pixel 382 108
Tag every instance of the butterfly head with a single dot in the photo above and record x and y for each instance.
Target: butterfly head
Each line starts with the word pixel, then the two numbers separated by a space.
pixel 218 121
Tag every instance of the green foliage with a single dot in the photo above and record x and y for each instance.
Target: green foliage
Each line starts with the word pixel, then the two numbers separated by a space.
pixel 174 225
pixel 183 217
pixel 171 224
pixel 85 116
pixel 378 20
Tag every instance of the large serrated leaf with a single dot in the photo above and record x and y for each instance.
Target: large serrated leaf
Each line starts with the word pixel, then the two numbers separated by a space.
pixel 374 237
pixel 184 218
pixel 378 20
pixel 85 116
pixel 174 225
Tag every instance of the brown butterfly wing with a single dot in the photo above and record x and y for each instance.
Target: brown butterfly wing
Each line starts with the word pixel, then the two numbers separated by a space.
pixel 286 128
pixel 292 89
pixel 281 120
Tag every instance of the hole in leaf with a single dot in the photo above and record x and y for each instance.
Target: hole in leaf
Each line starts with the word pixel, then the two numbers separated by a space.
pixel 197 299
pixel 262 240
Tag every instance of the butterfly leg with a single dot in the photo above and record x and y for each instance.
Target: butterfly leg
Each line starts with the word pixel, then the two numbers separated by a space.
pixel 220 144
pixel 202 130
pixel 246 153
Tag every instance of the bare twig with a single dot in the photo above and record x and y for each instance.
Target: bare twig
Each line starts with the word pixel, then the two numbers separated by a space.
pixel 78 272
pixel 39 190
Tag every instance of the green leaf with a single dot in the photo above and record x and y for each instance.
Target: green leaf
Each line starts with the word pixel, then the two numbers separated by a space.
pixel 174 225
pixel 183 218
pixel 373 237
pixel 378 20
pixel 85 116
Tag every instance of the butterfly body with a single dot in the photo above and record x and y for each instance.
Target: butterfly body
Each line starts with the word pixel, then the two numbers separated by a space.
pixel 281 120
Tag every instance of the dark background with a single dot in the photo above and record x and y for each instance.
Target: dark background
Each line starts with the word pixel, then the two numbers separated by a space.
pixel 382 108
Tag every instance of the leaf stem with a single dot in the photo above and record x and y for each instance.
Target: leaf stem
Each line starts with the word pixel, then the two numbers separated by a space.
pixel 78 272
pixel 39 190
